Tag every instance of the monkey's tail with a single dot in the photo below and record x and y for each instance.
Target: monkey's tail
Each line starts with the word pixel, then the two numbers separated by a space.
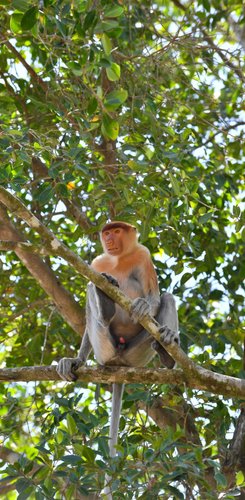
pixel 117 393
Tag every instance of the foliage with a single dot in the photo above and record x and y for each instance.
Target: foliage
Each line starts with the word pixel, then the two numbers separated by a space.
pixel 131 110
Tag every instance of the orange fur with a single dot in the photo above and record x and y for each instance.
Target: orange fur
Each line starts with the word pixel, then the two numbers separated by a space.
pixel 131 265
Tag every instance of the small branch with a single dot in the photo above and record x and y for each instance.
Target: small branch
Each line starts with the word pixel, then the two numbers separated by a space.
pixel 36 304
pixel 23 245
pixel 210 42
pixel 41 173
pixel 162 411
pixel 34 76
pixel 222 131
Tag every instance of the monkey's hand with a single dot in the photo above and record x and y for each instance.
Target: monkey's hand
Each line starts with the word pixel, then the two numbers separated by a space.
pixel 140 308
pixel 67 367
pixel 111 280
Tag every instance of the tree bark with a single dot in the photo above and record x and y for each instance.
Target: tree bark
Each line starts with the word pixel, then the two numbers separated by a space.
pixel 226 386
pixel 69 309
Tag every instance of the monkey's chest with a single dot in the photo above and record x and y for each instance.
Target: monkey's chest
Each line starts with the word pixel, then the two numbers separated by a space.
pixel 122 324
pixel 131 285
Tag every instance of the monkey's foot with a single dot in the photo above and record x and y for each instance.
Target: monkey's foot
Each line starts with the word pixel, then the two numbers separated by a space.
pixel 165 358
pixel 67 367
pixel 168 336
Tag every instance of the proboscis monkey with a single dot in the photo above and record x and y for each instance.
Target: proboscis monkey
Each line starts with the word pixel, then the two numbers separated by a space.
pixel 115 336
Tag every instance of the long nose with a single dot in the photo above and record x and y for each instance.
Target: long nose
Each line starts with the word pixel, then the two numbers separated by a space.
pixel 109 238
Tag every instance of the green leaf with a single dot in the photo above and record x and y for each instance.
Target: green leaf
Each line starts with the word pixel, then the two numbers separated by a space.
pixel 108 25
pixel 115 11
pixel 175 185
pixel 71 459
pixel 115 99
pixel 21 5
pixel 206 5
pixel 216 295
pixel 61 189
pixel 107 45
pixel 221 479
pixel 27 493
pixel 88 454
pixel 92 106
pixel 113 72
pixel 186 277
pixel 41 473
pixel 240 479
pixel 45 195
pixel 15 22
pixel 59 436
pixel 109 128
pixel 149 152
pixel 236 211
pixel 75 68
pixel 206 217
pixel 22 484
pixel 71 424
pixel 29 18
pixel 89 20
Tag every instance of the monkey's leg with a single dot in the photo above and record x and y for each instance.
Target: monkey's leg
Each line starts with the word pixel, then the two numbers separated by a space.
pixel 139 350
pixel 107 305
pixel 168 317
pixel 99 313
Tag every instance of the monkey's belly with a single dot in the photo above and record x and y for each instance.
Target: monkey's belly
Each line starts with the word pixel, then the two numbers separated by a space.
pixel 122 326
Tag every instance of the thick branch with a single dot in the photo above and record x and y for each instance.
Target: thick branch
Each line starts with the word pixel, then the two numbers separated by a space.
pixel 235 457
pixel 202 378
pixel 69 309
pixel 230 387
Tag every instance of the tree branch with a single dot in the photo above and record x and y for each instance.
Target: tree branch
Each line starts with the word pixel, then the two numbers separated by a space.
pixel 68 308
pixel 226 386
pixel 235 456
pixel 210 42
pixel 34 76
pixel 194 374
pixel 41 172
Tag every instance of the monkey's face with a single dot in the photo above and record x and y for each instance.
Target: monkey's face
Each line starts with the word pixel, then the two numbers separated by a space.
pixel 113 240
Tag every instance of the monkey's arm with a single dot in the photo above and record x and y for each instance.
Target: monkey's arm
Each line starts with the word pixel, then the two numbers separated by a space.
pixel 67 366
pixel 150 302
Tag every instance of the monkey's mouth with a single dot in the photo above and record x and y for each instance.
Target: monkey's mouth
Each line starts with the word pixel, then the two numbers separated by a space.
pixel 112 249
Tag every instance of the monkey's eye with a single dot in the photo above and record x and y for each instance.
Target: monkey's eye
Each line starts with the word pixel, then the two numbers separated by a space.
pixel 117 231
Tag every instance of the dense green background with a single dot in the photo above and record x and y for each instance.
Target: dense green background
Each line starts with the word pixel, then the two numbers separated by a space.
pixel 131 110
